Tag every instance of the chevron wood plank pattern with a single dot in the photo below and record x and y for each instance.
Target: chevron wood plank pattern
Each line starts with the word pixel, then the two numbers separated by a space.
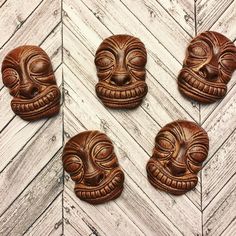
pixel 37 196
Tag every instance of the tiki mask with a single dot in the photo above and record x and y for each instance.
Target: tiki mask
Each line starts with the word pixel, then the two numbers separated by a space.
pixel 180 148
pixel 90 160
pixel 209 63
pixel 27 72
pixel 120 62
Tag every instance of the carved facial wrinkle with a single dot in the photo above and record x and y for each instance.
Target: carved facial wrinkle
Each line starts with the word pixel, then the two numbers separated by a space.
pixel 208 66
pixel 90 160
pixel 27 72
pixel 180 149
pixel 120 62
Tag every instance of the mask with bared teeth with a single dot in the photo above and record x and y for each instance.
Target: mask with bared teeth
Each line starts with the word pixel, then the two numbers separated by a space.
pixel 180 149
pixel 90 160
pixel 27 72
pixel 208 66
pixel 120 62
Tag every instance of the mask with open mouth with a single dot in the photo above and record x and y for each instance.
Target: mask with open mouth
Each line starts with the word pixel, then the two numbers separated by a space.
pixel 120 62
pixel 208 66
pixel 90 160
pixel 27 72
pixel 180 149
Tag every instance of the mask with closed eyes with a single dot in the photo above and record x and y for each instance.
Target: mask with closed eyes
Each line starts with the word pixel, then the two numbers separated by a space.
pixel 180 149
pixel 27 72
pixel 208 66
pixel 120 62
pixel 90 160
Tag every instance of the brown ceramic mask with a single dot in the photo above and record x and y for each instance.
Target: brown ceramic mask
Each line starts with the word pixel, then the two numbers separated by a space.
pixel 180 149
pixel 209 63
pixel 120 62
pixel 90 160
pixel 27 72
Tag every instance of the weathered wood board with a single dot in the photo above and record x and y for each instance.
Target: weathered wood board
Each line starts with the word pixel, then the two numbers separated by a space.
pixel 37 196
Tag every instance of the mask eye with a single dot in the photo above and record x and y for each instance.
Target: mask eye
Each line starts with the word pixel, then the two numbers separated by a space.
pixel 40 66
pixel 10 78
pixel 228 61
pixel 198 51
pixel 136 58
pixel 74 166
pixel 198 153
pixel 104 62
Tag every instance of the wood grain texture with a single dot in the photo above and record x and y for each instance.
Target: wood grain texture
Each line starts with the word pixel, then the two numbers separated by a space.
pixel 37 196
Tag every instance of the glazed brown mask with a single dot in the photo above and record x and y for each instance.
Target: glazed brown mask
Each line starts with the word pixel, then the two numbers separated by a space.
pixel 120 62
pixel 90 160
pixel 209 63
pixel 180 149
pixel 27 72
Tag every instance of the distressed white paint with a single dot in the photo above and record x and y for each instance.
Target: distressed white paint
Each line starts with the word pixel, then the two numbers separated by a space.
pixel 33 198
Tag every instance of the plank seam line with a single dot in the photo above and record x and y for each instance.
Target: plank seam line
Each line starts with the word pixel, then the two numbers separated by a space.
pixel 24 145
pixel 146 180
pixel 3 3
pixel 219 103
pixel 117 122
pixel 21 24
pixel 72 199
pixel 48 35
pixel 141 23
pixel 50 204
pixel 231 177
pixel 219 16
pixel 152 33
pixel 72 114
pixel 208 159
pixel 228 226
pixel 174 100
pixel 174 18
pixel 63 116
pixel 30 182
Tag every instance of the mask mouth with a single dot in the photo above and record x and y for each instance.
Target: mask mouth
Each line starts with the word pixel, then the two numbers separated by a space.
pixel 198 88
pixel 129 96
pixel 45 104
pixel 164 180
pixel 110 188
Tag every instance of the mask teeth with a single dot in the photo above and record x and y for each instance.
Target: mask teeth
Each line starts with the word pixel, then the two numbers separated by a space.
pixel 165 180
pixel 41 102
pixel 201 86
pixel 93 194
pixel 108 93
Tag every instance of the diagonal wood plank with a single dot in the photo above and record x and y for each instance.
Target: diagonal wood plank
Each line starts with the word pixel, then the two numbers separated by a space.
pixel 33 200
pixel 50 222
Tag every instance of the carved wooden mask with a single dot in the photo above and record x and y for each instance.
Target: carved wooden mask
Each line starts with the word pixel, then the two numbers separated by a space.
pixel 120 62
pixel 90 160
pixel 180 149
pixel 209 63
pixel 27 72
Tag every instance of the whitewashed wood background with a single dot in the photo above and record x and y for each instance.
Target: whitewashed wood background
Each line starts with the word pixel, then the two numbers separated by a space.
pixel 36 196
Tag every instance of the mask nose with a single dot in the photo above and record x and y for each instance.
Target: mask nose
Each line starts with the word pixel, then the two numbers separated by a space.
pixel 177 165
pixel 28 90
pixel 210 70
pixel 94 179
pixel 120 78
